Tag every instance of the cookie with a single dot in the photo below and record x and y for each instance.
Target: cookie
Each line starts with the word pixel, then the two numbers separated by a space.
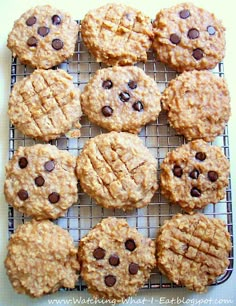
pixel 41 181
pixel 121 99
pixel 194 175
pixel 197 104
pixel 115 259
pixel 117 34
pixel 45 104
pixel 118 171
pixel 43 37
pixel 187 37
pixel 41 258
pixel 193 250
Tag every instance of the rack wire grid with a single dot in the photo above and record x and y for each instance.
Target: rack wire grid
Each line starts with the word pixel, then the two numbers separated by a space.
pixel 159 137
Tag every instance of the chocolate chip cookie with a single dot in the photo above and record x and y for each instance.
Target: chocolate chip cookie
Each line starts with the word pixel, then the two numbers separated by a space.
pixel 187 37
pixel 41 258
pixel 197 104
pixel 117 34
pixel 121 99
pixel 113 254
pixel 43 37
pixel 41 181
pixel 45 104
pixel 193 250
pixel 118 171
pixel 194 175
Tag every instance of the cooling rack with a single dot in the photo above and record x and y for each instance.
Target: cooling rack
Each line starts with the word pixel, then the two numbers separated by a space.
pixel 159 137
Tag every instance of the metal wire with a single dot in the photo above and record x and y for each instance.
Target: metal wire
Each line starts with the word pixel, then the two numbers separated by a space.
pixel 159 137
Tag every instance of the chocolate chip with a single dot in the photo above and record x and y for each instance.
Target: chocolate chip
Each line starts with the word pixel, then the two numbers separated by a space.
pixel 200 156
pixel 124 96
pixel 212 176
pixel 132 84
pixel 177 170
pixel 174 38
pixel 23 194
pixel 133 268
pixel 114 260
pixel 107 111
pixel 99 253
pixel 31 21
pixel 195 192
pixel 110 280
pixel 54 197
pixel 39 181
pixel 32 41
pixel 107 84
pixel 138 106
pixel 23 162
pixel 193 33
pixel 43 31
pixel 57 44
pixel 184 14
pixel 211 30
pixel 194 174
pixel 56 19
pixel 197 54
pixel 49 165
pixel 130 245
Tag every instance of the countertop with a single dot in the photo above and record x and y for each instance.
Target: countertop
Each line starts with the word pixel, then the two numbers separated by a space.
pixel 10 10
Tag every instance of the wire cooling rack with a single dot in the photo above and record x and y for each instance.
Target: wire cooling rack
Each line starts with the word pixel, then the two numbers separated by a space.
pixel 159 137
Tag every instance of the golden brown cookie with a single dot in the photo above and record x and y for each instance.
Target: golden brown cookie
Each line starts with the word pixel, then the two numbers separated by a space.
pixel 193 250
pixel 115 259
pixel 117 34
pixel 118 171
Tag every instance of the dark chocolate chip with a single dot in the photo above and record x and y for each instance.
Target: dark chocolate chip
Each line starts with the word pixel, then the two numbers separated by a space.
pixel 200 156
pixel 32 41
pixel 39 181
pixel 184 14
pixel 31 21
pixel 23 194
pixel 114 260
pixel 110 280
pixel 132 84
pixel 124 96
pixel 194 174
pixel 49 165
pixel 54 197
pixel 23 162
pixel 56 19
pixel 212 176
pixel 130 245
pixel 197 54
pixel 107 111
pixel 195 192
pixel 138 106
pixel 107 84
pixel 193 33
pixel 57 44
pixel 43 31
pixel 99 253
pixel 177 170
pixel 211 30
pixel 133 268
pixel 174 38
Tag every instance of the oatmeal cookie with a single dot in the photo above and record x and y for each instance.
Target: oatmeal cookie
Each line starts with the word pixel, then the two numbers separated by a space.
pixel 193 250
pixel 118 171
pixel 115 259
pixel 198 104
pixel 41 181
pixel 121 99
pixel 117 34
pixel 41 258
pixel 194 175
pixel 43 37
pixel 187 37
pixel 45 104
